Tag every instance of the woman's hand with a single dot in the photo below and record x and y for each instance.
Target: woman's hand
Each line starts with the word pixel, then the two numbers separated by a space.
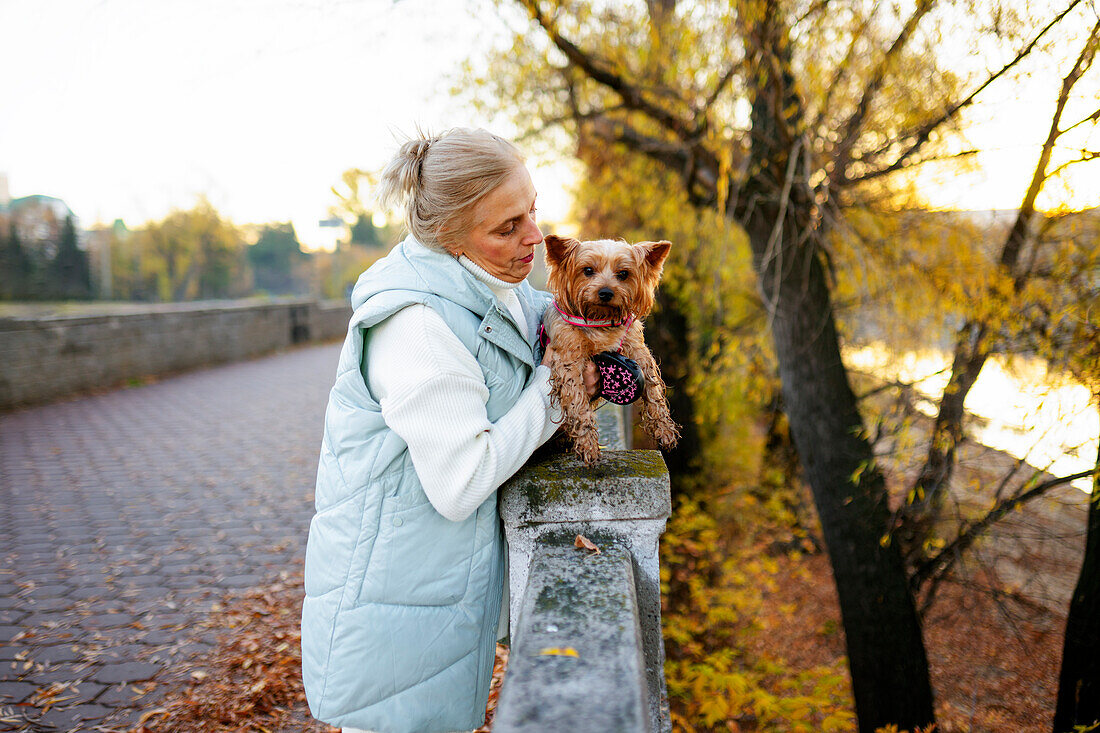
pixel 591 376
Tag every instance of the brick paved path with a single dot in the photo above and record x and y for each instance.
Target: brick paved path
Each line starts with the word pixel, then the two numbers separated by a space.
pixel 124 517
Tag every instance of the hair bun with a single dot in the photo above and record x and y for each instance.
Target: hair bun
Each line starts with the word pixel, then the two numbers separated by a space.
pixel 401 178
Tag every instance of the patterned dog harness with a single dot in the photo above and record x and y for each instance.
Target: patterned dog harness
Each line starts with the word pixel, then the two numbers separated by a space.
pixel 621 379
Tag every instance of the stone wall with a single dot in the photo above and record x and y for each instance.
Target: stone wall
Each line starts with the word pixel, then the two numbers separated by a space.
pixel 45 357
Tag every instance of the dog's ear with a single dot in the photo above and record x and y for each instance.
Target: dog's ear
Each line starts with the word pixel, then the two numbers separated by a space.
pixel 558 249
pixel 655 253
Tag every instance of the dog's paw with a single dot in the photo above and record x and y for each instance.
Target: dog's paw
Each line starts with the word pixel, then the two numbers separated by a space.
pixel 667 434
pixel 587 449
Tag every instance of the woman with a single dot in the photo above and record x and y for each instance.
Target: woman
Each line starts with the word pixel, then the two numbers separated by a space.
pixel 438 400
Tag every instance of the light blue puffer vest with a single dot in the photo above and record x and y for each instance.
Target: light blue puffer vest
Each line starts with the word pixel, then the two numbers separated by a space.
pixel 401 607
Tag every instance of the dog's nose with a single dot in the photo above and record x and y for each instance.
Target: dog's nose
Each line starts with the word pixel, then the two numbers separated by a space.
pixel 606 294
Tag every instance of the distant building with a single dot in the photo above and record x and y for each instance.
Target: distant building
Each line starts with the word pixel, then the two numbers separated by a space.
pixel 38 219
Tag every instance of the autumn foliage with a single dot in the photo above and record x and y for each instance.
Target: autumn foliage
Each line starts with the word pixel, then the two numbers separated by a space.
pixel 717 585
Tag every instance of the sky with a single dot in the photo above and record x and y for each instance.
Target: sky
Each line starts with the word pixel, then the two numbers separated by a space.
pixel 129 108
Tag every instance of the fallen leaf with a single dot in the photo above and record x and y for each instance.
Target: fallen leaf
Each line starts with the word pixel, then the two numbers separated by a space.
pixel 584 543
pixel 145 717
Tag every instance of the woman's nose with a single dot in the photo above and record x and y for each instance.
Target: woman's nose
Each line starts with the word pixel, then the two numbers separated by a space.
pixel 533 235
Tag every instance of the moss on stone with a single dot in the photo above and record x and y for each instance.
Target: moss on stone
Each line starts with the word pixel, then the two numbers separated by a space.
pixel 561 478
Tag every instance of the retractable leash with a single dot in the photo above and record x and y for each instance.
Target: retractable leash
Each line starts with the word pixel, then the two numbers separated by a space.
pixel 621 379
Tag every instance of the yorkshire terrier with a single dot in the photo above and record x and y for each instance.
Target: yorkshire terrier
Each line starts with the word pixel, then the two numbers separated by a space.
pixel 602 289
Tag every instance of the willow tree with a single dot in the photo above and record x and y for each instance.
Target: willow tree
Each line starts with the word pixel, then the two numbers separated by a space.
pixel 778 116
pixel 992 319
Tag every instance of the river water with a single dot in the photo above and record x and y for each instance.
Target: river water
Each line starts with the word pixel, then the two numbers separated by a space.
pixel 1027 412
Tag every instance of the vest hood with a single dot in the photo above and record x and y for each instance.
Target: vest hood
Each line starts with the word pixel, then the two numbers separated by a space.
pixel 413 273
pixel 409 269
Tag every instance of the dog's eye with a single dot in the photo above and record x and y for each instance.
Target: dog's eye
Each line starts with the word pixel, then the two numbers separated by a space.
pixel 622 274
pixel 588 272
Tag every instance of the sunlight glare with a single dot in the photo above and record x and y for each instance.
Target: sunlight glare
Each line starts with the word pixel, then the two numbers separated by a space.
pixel 1044 418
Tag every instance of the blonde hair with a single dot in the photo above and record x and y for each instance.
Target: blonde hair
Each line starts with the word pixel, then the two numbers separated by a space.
pixel 437 180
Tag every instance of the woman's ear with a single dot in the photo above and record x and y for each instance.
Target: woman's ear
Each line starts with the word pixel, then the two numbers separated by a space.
pixel 558 249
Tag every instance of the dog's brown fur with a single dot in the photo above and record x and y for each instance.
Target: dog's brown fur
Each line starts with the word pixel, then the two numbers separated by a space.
pixel 578 271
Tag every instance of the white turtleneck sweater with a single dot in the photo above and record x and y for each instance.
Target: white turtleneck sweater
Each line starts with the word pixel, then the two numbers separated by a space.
pixel 433 394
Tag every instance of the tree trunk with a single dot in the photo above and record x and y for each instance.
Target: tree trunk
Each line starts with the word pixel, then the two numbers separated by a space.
pixel 886 655
pixel 1079 681
pixel 971 354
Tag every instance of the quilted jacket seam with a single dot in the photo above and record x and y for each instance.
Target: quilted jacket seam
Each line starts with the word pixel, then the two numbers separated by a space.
pixel 418 682
pixel 347 575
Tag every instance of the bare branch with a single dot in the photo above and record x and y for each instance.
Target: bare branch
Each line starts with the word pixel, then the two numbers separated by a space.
pixel 939 564
pixel 843 67
pixel 632 96
pixel 675 156
pixel 1085 157
pixel 912 163
pixel 1020 463
pixel 1094 117
pixel 1022 227
pixel 573 115
pixel 897 384
pixel 721 86
pixel 854 125
pixel 815 9
pixel 921 135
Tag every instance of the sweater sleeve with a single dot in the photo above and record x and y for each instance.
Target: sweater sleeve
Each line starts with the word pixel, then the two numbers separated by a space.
pixel 433 395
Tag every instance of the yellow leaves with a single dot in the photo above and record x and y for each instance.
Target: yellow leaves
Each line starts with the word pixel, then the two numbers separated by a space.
pixel 555 651
pixel 934 544
pixel 838 721
pixel 725 164
pixel 714 616
pixel 914 495
pixel 858 473
pixel 713 709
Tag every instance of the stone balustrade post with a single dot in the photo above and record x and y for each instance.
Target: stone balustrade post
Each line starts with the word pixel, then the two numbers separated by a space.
pixel 621 503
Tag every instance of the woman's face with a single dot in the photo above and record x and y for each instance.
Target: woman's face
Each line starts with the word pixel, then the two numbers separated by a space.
pixel 504 233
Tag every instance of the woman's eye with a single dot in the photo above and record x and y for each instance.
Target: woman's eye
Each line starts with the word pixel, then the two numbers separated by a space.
pixel 589 272
pixel 509 230
pixel 622 274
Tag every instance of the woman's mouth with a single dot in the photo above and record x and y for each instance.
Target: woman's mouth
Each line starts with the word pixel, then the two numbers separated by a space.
pixel 528 258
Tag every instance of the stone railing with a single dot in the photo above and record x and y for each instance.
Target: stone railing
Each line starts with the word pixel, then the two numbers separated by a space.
pixel 587 653
pixel 45 357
